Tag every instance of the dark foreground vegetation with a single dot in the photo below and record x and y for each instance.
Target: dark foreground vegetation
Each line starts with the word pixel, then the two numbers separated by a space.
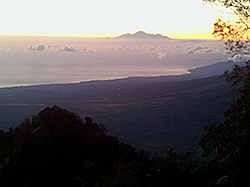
pixel 57 148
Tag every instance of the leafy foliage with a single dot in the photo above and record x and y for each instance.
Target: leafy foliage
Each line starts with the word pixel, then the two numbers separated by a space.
pixel 229 141
pixel 239 74
pixel 235 32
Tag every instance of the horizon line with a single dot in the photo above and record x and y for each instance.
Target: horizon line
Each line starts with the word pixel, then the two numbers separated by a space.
pixel 171 36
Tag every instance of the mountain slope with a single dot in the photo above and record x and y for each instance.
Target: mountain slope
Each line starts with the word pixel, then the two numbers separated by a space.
pixel 213 69
pixel 141 35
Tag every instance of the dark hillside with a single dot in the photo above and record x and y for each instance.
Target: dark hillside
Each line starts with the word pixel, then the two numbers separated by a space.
pixel 148 113
pixel 56 148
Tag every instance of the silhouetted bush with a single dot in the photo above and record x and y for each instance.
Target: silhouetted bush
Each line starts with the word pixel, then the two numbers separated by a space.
pixel 56 148
pixel 229 141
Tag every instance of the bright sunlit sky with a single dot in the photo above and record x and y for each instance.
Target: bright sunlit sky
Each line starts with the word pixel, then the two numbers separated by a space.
pixel 173 18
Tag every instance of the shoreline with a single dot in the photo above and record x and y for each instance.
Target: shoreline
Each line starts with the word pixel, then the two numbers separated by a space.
pixel 94 80
pixel 194 73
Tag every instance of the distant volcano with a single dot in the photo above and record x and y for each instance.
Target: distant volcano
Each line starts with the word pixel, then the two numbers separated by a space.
pixel 142 35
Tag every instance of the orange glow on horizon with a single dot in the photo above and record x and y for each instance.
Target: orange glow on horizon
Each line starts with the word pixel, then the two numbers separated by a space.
pixel 173 36
pixel 197 36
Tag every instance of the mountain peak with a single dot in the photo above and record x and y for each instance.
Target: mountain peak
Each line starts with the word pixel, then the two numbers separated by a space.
pixel 142 35
pixel 140 32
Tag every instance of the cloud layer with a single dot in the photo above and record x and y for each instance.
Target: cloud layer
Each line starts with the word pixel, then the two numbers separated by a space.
pixel 158 50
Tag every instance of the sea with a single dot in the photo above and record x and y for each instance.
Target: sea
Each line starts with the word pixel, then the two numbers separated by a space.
pixel 39 60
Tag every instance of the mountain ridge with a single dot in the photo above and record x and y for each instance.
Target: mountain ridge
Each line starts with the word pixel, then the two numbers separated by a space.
pixel 142 35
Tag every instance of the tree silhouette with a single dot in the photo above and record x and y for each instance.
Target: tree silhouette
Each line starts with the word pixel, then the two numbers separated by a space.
pixel 57 148
pixel 229 141
pixel 236 32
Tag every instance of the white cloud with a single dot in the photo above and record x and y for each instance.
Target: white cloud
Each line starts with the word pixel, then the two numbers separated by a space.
pixel 204 50
pixel 5 49
pixel 162 55
pixel 198 48
pixel 240 58
pixel 209 50
pixel 40 48
pixel 69 49
pixel 35 48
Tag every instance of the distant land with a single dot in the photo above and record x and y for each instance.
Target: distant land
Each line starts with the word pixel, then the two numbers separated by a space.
pixel 153 114
pixel 142 35
pixel 213 69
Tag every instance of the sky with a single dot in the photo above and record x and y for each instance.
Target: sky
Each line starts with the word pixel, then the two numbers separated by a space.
pixel 108 18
